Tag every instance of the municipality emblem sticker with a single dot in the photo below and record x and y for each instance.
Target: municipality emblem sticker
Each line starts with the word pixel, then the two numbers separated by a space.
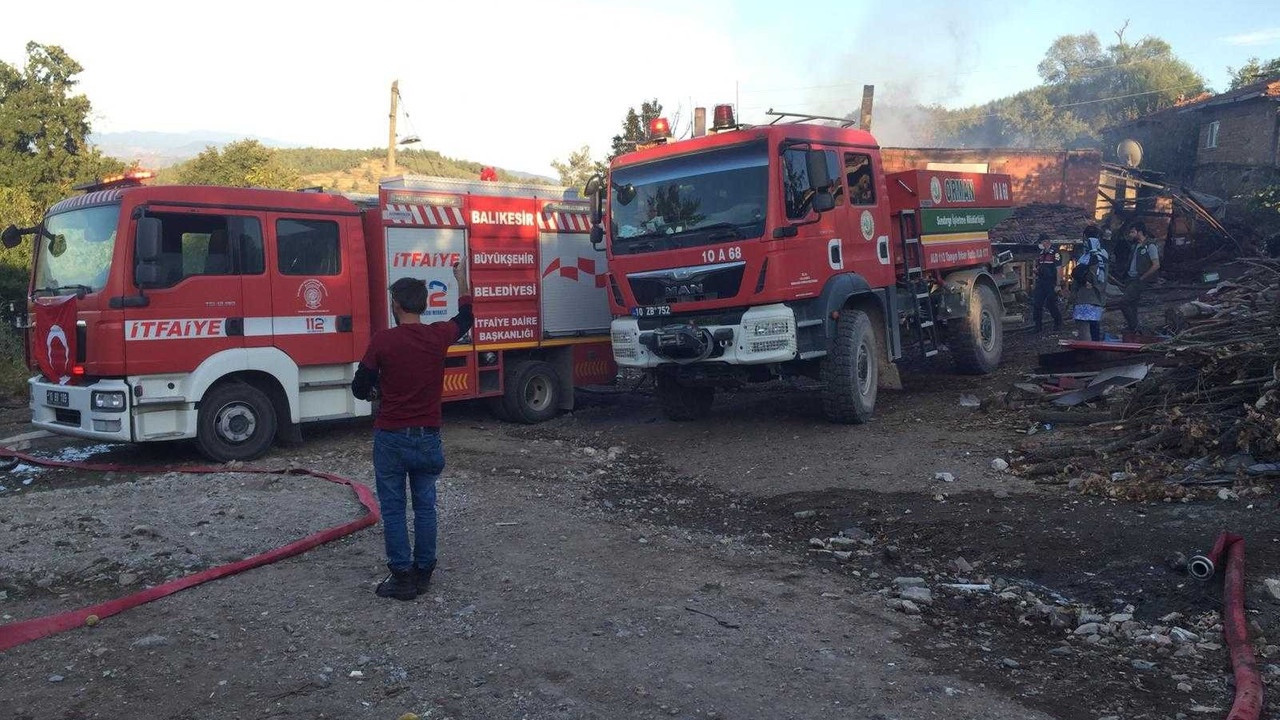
pixel 935 190
pixel 313 293
pixel 868 224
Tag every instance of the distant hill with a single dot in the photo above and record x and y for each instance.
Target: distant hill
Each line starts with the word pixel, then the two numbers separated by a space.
pixel 344 170
pixel 161 149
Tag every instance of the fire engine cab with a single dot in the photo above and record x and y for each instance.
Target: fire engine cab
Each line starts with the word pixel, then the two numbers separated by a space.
pixel 749 253
pixel 233 315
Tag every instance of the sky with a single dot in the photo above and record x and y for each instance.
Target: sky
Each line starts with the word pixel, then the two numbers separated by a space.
pixel 518 84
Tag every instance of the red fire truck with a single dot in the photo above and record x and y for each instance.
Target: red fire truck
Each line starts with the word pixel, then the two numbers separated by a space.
pixel 233 315
pixel 750 253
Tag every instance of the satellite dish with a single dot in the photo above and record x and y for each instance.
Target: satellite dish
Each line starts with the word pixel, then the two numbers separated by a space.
pixel 1129 152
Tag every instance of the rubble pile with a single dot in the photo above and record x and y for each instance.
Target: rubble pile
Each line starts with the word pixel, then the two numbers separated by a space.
pixel 1208 414
pixel 1027 222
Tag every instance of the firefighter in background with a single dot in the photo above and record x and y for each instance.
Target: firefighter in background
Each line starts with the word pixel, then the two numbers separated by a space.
pixel 1046 285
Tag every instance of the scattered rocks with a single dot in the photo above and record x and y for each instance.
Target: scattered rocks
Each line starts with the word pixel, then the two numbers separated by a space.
pixel 804 514
pixel 1060 619
pixel 1010 664
pixel 1142 665
pixel 908 582
pixel 1090 628
pixel 1091 618
pixel 843 554
pixel 1273 588
pixel 944 477
pixel 1183 636
pixel 1061 651
pixel 144 531
pixel 854 533
pixel 921 595
pixel 150 641
pixel 842 542
pixel 1001 494
pixel 1120 618
pixel 817 543
pixel 999 464
pixel 127 579
pixel 961 566
pixel 1184 687
pixel 903 606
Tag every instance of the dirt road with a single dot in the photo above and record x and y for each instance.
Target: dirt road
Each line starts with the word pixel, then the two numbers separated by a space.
pixel 610 564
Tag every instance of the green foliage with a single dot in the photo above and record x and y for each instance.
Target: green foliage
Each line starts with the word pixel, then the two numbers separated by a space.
pixel 244 163
pixel 1254 71
pixel 578 168
pixel 43 127
pixel 13 364
pixel 635 127
pixel 1086 88
pixel 1262 211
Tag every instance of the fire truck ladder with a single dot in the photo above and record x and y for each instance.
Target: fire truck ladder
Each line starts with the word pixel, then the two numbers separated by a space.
pixel 915 281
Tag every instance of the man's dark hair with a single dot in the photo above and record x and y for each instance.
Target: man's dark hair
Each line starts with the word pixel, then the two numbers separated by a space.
pixel 410 294
pixel 1092 231
pixel 1043 237
pixel 1141 230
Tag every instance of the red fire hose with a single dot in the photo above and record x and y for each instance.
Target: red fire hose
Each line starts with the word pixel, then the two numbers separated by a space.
pixel 18 633
pixel 1248 701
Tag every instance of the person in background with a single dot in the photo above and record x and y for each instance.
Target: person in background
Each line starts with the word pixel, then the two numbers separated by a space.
pixel 1088 286
pixel 1144 263
pixel 1045 291
pixel 404 368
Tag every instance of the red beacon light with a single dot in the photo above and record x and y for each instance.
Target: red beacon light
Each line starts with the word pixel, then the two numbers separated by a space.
pixel 124 179
pixel 723 118
pixel 659 129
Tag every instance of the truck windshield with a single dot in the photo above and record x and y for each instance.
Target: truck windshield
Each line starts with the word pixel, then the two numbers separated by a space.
pixel 74 251
pixel 701 199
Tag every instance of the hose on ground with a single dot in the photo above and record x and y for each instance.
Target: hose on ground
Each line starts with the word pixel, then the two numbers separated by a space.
pixel 1248 699
pixel 24 631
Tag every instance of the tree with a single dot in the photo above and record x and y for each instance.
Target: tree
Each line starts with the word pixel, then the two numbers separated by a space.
pixel 1086 88
pixel 244 163
pixel 1254 71
pixel 578 168
pixel 44 126
pixel 635 127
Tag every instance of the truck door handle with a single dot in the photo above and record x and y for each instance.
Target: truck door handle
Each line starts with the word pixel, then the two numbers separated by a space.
pixel 343 323
pixel 234 326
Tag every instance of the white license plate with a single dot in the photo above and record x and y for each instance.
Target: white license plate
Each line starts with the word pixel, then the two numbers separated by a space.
pixel 57 398
pixel 651 311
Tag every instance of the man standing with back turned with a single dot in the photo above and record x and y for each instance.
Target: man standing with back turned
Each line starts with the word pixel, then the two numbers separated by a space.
pixel 404 366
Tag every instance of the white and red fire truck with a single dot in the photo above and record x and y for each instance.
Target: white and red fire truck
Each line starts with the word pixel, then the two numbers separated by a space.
pixel 233 315
pixel 750 253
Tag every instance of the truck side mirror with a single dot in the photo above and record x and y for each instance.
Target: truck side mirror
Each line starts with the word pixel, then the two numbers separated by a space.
pixel 146 247
pixel 597 237
pixel 819 180
pixel 595 194
pixel 148 275
pixel 11 236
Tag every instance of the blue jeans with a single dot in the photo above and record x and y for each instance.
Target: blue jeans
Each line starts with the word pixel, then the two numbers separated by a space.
pixel 419 457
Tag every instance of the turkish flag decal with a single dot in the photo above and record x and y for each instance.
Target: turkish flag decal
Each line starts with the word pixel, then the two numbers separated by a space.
pixel 55 348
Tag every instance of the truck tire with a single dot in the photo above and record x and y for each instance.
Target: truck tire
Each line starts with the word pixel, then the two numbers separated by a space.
pixel 532 393
pixel 682 402
pixel 850 370
pixel 236 422
pixel 977 341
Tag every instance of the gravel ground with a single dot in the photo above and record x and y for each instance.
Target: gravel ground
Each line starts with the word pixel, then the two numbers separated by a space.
pixel 610 564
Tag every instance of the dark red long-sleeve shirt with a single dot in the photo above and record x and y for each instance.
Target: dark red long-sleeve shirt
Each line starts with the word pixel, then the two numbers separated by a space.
pixel 406 365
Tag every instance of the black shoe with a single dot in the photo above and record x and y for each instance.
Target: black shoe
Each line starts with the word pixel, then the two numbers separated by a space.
pixel 422 578
pixel 399 585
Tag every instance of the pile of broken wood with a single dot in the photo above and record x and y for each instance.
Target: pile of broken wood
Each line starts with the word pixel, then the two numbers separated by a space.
pixel 1205 412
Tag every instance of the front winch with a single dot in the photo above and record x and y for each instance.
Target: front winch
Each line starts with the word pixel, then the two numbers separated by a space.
pixel 682 343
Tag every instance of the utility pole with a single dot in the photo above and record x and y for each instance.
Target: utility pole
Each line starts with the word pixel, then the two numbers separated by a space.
pixel 391 134
pixel 864 118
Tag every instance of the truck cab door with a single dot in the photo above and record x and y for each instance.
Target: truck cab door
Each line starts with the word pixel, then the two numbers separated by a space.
pixel 867 251
pixel 195 309
pixel 311 290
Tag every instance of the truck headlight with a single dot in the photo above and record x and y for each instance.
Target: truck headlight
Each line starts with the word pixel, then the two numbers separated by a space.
pixel 107 401
pixel 765 328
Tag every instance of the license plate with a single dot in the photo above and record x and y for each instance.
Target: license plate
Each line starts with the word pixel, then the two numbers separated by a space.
pixel 651 311
pixel 57 398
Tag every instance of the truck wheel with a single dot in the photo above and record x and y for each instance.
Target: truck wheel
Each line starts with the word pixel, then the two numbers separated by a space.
pixel 236 422
pixel 532 394
pixel 851 371
pixel 681 402
pixel 977 341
